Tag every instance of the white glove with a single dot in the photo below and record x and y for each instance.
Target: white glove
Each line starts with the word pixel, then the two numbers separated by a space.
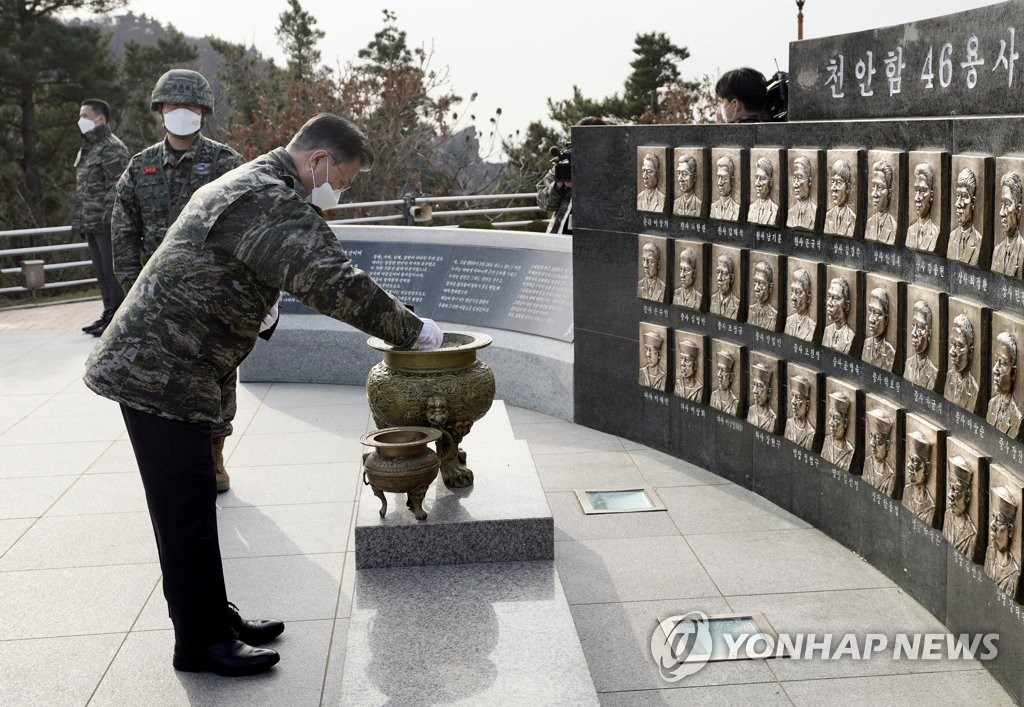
pixel 271 316
pixel 430 336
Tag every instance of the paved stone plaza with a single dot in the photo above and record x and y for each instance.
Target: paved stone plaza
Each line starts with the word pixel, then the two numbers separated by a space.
pixel 84 621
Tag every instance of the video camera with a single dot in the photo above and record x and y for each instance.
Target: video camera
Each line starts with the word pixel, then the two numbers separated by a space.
pixel 562 162
pixel 778 96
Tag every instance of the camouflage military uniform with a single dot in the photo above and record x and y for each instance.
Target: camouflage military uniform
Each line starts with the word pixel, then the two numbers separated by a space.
pixel 100 161
pixel 196 308
pixel 152 192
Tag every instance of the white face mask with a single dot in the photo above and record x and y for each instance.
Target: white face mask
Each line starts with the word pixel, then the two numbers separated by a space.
pixel 86 125
pixel 324 197
pixel 723 114
pixel 182 122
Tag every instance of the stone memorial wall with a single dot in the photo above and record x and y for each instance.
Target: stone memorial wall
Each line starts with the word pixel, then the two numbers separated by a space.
pixel 831 312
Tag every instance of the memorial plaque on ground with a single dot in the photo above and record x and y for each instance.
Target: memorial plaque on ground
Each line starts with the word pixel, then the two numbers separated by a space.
pixel 517 289
pixel 967 63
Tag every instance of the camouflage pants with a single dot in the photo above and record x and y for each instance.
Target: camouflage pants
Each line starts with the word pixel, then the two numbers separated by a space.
pixel 228 406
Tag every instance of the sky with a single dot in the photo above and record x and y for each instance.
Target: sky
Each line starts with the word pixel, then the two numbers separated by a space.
pixel 516 55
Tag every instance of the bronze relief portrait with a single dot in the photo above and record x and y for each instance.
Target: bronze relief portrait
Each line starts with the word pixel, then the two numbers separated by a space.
pixel 841 192
pixel 966 491
pixel 650 176
pixel 1004 407
pixel 763 311
pixel 763 405
pixel 767 184
pixel 1003 555
pixel 727 183
pixel 884 196
pixel 1008 254
pixel 690 185
pixel 882 425
pixel 804 304
pixel 689 290
pixel 802 411
pixel 841 297
pixel 969 219
pixel 690 348
pixel 651 257
pixel 804 167
pixel 727 377
pixel 653 350
pixel 883 304
pixel 841 421
pixel 727 282
pixel 968 346
pixel 925 337
pixel 926 207
pixel 924 473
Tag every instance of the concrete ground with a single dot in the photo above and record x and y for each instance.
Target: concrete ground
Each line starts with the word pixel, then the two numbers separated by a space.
pixel 82 617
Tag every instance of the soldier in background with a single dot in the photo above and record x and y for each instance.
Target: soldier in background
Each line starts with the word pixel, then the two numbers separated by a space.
pixel 99 163
pixel 154 189
pixel 193 314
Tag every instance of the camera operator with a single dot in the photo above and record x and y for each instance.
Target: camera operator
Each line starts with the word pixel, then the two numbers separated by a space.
pixel 748 97
pixel 554 191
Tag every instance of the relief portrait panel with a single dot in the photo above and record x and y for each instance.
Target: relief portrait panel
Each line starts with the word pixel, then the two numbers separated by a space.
pixel 964 521
pixel 924 473
pixel 652 274
pixel 805 188
pixel 690 369
pixel 927 209
pixel 767 185
pixel 690 164
pixel 690 262
pixel 727 383
pixel 763 404
pixel 1005 406
pixel 885 196
pixel 925 336
pixel 842 295
pixel 727 180
pixel 1008 207
pixel 764 275
pixel 842 193
pixel 653 341
pixel 842 423
pixel 883 438
pixel 804 303
pixel 883 311
pixel 1003 555
pixel 651 170
pixel 969 342
pixel 969 218
pixel 726 281
pixel 803 423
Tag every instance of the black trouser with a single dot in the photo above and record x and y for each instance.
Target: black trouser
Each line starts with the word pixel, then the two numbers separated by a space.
pixel 176 463
pixel 103 263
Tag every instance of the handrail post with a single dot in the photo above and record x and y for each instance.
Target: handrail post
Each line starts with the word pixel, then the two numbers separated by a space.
pixel 409 200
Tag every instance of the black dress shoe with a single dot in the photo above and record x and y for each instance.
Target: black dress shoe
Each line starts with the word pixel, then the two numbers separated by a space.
pixel 255 632
pixel 98 331
pixel 230 658
pixel 95 325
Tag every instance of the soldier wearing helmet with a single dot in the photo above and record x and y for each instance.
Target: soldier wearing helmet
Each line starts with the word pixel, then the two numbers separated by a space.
pixel 154 189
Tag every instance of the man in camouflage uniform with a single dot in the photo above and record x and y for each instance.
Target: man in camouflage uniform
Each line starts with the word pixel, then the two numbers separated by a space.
pixel 98 165
pixel 155 188
pixel 193 314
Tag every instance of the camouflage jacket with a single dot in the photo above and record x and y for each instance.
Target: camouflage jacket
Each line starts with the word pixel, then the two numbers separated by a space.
pixel 152 192
pixel 195 311
pixel 99 164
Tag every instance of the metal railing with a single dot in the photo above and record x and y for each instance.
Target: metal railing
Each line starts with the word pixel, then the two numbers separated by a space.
pixel 413 211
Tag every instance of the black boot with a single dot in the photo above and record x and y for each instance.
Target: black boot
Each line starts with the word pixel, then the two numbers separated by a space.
pixel 254 632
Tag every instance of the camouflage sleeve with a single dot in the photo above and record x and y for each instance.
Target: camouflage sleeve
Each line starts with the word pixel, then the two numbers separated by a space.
pixel 290 246
pixel 548 198
pixel 227 161
pixel 115 159
pixel 126 231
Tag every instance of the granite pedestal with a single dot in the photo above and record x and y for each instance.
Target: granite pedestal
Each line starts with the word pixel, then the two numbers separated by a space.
pixel 503 517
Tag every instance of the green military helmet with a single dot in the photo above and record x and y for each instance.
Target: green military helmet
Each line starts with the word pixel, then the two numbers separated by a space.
pixel 183 86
